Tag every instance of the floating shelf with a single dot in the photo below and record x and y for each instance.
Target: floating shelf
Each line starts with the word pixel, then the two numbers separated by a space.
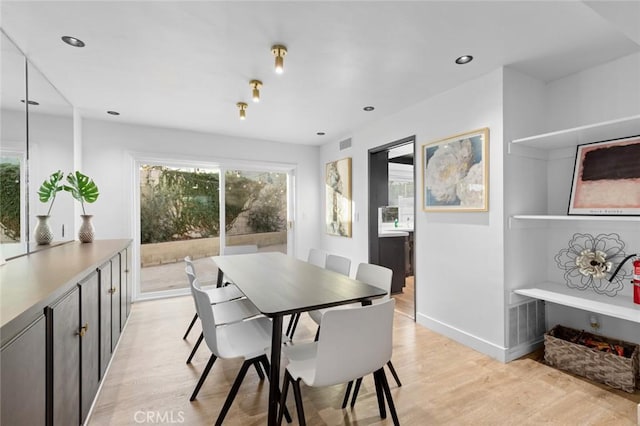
pixel 613 129
pixel 618 307
pixel 578 218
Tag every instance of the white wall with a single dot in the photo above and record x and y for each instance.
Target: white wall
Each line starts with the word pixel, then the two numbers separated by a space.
pixel 459 256
pixel 465 266
pixel 108 149
pixel 601 93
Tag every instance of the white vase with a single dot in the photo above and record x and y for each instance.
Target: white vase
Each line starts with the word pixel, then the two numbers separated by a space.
pixel 42 233
pixel 86 231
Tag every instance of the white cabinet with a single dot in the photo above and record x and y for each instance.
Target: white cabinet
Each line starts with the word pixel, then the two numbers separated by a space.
pixel 539 181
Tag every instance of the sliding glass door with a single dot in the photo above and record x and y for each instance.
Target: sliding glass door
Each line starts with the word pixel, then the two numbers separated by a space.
pixel 256 209
pixel 179 216
pixel 181 208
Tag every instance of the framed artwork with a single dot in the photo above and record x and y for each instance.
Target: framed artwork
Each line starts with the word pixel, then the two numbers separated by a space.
pixel 455 173
pixel 606 178
pixel 338 197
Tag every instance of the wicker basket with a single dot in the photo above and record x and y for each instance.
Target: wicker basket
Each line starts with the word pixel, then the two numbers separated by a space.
pixel 620 372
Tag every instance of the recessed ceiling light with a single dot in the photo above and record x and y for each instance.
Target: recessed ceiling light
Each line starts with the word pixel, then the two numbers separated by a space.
pixel 464 59
pixel 320 133
pixel 72 41
pixel 113 112
pixel 368 108
pixel 30 102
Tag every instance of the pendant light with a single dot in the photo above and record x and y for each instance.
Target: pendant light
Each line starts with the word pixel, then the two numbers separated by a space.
pixel 255 92
pixel 243 110
pixel 279 51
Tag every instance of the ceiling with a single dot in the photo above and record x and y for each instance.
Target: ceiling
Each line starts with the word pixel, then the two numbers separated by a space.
pixel 185 64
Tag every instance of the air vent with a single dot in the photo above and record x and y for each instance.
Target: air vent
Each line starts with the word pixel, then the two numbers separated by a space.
pixel 345 144
pixel 526 323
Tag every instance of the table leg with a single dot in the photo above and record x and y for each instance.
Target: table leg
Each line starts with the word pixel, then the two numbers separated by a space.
pixel 274 374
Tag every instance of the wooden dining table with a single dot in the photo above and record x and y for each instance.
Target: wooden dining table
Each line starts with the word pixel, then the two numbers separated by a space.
pixel 280 285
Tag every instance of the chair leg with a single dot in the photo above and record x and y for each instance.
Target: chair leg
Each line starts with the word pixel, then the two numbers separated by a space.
pixel 265 363
pixel 355 392
pixel 203 376
pixel 380 394
pixel 387 392
pixel 347 392
pixel 393 373
pixel 283 396
pixel 193 321
pixel 290 326
pixel 293 324
pixel 298 396
pixel 234 391
pixel 195 348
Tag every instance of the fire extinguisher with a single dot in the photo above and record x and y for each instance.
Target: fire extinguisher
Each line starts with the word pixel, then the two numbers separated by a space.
pixel 636 281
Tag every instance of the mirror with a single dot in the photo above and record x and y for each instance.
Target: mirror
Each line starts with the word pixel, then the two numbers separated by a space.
pixel 50 143
pixel 36 139
pixel 13 150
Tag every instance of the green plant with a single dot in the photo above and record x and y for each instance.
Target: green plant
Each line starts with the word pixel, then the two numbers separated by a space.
pixel 50 187
pixel 9 201
pixel 82 188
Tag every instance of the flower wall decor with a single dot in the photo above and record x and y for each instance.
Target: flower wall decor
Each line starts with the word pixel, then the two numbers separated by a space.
pixel 455 173
pixel 589 260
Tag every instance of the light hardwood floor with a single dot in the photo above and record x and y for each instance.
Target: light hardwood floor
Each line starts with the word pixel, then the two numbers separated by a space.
pixel 405 300
pixel 444 383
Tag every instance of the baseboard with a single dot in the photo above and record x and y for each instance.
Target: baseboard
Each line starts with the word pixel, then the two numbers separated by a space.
pixel 490 349
pixel 524 349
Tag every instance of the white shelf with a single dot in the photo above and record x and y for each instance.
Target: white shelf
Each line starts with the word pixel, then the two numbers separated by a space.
pixel 613 129
pixel 577 218
pixel 618 307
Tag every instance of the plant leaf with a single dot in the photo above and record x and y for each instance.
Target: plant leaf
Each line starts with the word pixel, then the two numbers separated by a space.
pixel 50 187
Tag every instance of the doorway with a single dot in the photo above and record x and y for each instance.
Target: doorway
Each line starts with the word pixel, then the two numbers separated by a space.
pixel 391 217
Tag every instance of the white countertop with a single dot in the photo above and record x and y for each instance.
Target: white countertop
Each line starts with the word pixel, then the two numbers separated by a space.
pixel 385 233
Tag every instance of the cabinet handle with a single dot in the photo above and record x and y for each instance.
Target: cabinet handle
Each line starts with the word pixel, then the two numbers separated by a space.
pixel 112 290
pixel 83 330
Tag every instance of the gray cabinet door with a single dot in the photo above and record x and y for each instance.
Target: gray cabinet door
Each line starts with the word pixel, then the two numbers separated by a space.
pixel 104 274
pixel 90 342
pixel 23 367
pixel 115 300
pixel 63 318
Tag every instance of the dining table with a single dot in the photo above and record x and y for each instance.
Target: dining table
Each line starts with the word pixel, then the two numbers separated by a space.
pixel 279 285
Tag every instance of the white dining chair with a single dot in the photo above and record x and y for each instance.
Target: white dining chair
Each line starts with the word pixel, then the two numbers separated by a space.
pixel 240 249
pixel 339 264
pixel 352 344
pixel 216 294
pixel 248 340
pixel 318 258
pixel 380 277
pixel 335 263
pixel 226 313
